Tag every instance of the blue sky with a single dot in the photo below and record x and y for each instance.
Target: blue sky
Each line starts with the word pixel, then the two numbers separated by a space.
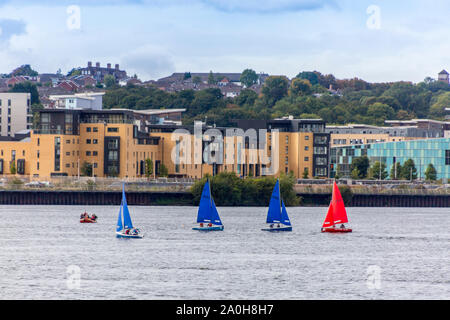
pixel 154 38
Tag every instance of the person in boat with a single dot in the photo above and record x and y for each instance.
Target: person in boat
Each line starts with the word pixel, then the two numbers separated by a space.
pixel 127 231
pixel 342 226
pixel 278 226
pixel 210 225
pixel 93 217
pixel 201 225
pixel 271 226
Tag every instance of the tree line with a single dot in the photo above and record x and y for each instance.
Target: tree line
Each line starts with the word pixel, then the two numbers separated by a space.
pixel 228 189
pixel 308 95
pixel 361 169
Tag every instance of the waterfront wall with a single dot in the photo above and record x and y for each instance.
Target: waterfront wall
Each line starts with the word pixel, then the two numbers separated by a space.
pixel 103 198
pixel 40 197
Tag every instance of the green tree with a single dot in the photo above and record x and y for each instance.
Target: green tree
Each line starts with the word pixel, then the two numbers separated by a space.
pixel 431 173
pixel 24 70
pixel 12 167
pixel 312 77
pixel 378 171
pixel 300 87
pixel 396 171
pixel 148 167
pixel 305 174
pixel 27 87
pixel 109 81
pixel 211 78
pixel 355 174
pixel 437 109
pixel 248 77
pixel 187 75
pixel 163 171
pixel 409 171
pixel 246 97
pixel 196 80
pixel 274 89
pixel 362 165
pixel 86 169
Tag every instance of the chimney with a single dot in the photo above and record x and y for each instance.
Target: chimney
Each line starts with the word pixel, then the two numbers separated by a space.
pixel 108 65
pixel 117 67
pixel 89 64
pixel 97 64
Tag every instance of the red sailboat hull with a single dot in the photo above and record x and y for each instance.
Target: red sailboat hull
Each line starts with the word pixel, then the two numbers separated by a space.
pixel 337 230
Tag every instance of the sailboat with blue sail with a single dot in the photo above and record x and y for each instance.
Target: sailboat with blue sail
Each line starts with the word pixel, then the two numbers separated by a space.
pixel 125 227
pixel 277 216
pixel 208 217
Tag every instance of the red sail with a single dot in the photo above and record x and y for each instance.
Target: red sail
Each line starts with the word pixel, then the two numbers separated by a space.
pixel 329 221
pixel 339 213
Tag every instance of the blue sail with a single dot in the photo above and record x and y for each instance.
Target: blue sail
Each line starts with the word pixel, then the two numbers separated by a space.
pixel 284 216
pixel 215 219
pixel 204 209
pixel 274 214
pixel 126 213
pixel 119 221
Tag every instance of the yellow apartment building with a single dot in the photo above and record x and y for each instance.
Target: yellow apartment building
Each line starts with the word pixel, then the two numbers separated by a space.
pixel 116 143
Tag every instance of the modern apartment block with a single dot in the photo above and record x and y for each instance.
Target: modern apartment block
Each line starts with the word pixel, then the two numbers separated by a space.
pixel 86 100
pixel 422 152
pixel 15 114
pixel 118 142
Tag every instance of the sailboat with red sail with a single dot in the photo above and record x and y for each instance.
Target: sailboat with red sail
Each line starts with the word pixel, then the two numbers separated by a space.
pixel 336 215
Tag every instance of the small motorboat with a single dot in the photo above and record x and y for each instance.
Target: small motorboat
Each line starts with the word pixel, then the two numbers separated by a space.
pixel 125 228
pixel 88 219
pixel 277 216
pixel 208 217
pixel 336 214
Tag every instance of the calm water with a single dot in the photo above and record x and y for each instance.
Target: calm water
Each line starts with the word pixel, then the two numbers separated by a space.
pixel 410 246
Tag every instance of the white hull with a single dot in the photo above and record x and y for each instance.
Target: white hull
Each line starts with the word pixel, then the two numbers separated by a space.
pixel 124 235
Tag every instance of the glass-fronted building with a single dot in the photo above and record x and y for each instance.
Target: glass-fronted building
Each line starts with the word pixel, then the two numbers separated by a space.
pixel 422 152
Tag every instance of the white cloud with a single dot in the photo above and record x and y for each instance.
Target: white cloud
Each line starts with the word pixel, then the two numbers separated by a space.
pixel 148 62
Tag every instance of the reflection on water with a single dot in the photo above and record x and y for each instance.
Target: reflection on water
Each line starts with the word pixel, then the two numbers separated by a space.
pixel 40 245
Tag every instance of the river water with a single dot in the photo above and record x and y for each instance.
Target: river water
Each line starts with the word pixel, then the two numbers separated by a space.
pixel 393 253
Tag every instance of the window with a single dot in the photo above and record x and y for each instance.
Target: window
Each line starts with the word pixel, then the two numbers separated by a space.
pixel 94 153
pixel 321 161
pixel 320 150
pixel 113 129
pixel 95 129
pixel 306 158
pixel 68 141
pixel 68 153
pixel 88 153
pixel 113 155
pixel 95 141
pixel 447 157
pixel 320 139
pixel 88 129
pixel 88 141
pixel 306 137
pixel 67 165
pixel 306 148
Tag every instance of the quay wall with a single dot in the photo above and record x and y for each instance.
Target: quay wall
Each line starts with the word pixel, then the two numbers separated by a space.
pixel 47 197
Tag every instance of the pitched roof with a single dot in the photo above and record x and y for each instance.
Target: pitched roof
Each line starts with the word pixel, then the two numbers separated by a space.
pixel 443 72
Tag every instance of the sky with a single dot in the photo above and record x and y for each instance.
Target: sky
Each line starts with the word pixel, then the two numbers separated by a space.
pixel 378 41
